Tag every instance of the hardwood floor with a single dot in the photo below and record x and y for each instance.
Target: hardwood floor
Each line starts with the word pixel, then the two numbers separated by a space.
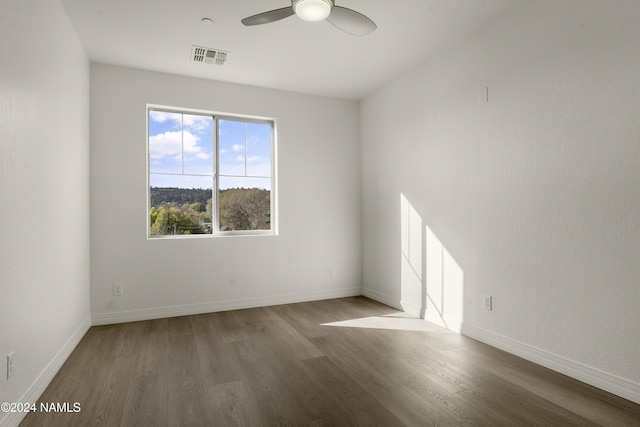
pixel 324 363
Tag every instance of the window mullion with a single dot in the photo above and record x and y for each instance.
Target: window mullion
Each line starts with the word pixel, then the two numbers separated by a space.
pixel 245 149
pixel 182 141
pixel 215 199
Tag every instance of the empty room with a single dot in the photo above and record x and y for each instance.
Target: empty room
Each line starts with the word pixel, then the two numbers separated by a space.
pixel 318 212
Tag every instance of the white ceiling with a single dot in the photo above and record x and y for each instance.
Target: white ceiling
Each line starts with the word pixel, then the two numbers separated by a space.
pixel 290 54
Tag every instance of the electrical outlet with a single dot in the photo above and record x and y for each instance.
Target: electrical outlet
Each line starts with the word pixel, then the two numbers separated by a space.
pixel 483 95
pixel 332 272
pixel 10 364
pixel 117 289
pixel 488 302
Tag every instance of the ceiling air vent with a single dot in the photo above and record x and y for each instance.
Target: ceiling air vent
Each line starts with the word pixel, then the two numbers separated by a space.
pixel 206 55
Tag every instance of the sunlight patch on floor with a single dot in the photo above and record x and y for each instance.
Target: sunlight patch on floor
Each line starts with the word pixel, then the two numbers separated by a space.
pixel 397 321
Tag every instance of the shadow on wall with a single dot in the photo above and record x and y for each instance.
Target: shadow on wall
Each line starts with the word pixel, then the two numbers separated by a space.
pixel 432 282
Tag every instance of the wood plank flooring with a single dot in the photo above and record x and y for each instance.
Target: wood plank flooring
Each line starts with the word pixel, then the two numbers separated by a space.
pixel 324 363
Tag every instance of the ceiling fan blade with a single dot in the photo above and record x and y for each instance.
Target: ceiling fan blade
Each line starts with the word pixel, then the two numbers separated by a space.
pixel 271 16
pixel 350 21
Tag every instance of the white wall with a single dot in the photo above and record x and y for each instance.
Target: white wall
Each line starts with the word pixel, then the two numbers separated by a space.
pixel 44 195
pixel 534 195
pixel 318 211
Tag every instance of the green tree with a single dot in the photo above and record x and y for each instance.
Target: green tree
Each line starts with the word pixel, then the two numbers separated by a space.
pixel 153 215
pixel 198 207
pixel 172 220
pixel 245 209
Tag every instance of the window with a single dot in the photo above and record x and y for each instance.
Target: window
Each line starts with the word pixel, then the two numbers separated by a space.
pixel 209 174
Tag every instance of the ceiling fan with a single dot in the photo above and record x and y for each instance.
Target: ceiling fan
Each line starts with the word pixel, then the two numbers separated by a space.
pixel 347 20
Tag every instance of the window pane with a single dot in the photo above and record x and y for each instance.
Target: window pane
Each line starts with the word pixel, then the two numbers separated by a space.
pixel 197 144
pixel 180 204
pixel 245 203
pixel 258 149
pixel 231 136
pixel 165 142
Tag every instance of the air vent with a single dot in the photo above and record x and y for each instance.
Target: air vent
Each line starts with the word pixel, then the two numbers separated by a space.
pixel 205 55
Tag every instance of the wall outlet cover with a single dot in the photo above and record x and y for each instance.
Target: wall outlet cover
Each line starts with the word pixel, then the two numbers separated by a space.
pixel 117 289
pixel 488 302
pixel 10 364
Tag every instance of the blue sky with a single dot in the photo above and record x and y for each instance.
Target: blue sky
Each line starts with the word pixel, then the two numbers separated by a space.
pixel 182 144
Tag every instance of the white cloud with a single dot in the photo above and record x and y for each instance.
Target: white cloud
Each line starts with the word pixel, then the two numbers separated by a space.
pixel 163 116
pixel 238 147
pixel 250 159
pixel 165 144
pixel 197 124
pixel 253 139
pixel 172 144
pixel 189 122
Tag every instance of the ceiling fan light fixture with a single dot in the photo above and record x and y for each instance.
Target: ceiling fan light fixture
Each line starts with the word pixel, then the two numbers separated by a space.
pixel 313 10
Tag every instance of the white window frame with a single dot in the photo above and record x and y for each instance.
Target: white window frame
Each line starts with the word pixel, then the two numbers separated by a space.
pixel 215 227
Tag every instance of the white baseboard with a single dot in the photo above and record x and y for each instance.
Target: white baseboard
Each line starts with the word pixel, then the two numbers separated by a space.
pixel 215 306
pixel 382 298
pixel 41 382
pixel 611 383
pixel 412 309
pixel 448 322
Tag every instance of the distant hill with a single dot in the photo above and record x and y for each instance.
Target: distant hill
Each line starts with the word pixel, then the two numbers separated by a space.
pixel 168 195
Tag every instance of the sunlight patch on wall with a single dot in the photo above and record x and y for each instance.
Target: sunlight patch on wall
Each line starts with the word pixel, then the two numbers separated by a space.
pixel 432 282
pixel 445 285
pixel 411 282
